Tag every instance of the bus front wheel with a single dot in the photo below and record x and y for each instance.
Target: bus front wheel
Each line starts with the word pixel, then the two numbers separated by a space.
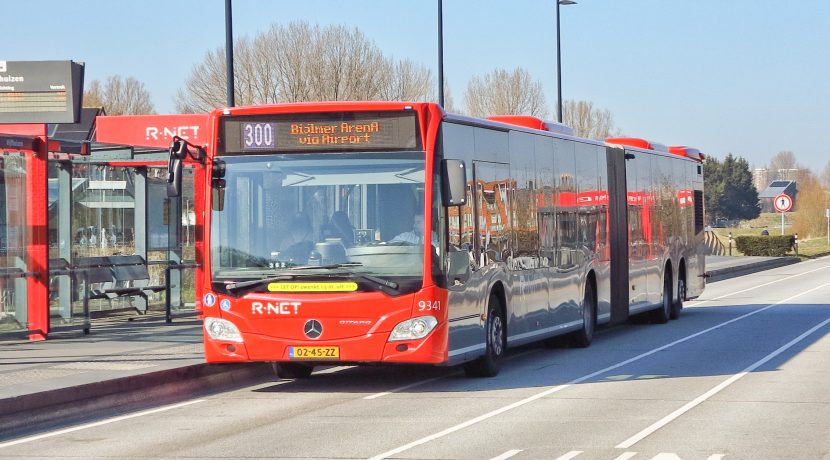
pixel 583 337
pixel 494 328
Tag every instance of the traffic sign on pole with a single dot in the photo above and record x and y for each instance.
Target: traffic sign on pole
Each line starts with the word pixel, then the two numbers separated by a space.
pixel 783 203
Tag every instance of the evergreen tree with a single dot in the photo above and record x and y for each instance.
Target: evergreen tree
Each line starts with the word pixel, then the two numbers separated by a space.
pixel 729 191
pixel 712 189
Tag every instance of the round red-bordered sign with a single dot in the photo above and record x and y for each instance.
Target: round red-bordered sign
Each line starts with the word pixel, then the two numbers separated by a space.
pixel 782 203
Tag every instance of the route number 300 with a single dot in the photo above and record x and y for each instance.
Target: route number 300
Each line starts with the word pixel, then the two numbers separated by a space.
pixel 429 305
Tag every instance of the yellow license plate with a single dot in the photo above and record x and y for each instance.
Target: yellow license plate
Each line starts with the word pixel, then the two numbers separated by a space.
pixel 314 352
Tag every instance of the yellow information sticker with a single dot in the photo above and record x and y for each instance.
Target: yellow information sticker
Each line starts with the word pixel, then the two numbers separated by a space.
pixel 313 286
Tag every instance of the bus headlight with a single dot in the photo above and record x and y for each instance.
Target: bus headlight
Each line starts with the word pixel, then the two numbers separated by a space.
pixel 220 329
pixel 412 329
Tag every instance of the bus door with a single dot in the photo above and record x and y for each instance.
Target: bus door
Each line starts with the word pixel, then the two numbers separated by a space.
pixel 638 222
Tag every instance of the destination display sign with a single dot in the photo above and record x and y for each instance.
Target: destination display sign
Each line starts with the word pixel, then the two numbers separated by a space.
pixel 40 91
pixel 342 131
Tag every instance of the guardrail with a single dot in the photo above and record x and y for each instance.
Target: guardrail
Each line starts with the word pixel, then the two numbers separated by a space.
pixel 714 246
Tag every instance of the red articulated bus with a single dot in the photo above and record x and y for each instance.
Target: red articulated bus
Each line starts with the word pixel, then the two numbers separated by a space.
pixel 389 232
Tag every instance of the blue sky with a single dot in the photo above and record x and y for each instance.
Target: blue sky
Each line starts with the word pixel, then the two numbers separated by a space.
pixel 748 77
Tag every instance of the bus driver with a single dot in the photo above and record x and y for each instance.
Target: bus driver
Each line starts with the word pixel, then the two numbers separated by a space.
pixel 416 235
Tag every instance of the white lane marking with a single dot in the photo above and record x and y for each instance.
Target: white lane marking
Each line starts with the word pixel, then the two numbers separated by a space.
pixel 716 457
pixel 95 424
pixel 570 455
pixel 557 388
pixel 691 404
pixel 507 454
pixel 666 456
pixel 626 456
pixel 332 370
pixel 696 303
pixel 405 387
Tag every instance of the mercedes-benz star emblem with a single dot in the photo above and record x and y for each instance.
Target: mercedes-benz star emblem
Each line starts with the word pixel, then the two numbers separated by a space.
pixel 313 329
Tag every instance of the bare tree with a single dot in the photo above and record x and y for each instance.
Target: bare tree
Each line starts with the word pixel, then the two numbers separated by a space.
pixel 825 176
pixel 300 62
pixel 783 166
pixel 119 96
pixel 809 220
pixel 586 120
pixel 505 93
pixel 449 101
pixel 407 81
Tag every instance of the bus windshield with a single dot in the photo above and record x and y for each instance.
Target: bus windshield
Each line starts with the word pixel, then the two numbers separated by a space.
pixel 319 214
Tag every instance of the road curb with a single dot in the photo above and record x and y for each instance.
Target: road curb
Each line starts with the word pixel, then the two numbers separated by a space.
pixel 65 405
pixel 725 273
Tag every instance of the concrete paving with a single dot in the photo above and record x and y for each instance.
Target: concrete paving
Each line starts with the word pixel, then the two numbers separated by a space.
pixel 146 360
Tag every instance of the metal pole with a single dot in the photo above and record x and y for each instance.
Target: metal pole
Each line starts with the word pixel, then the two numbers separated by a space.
pixel 440 53
pixel 229 51
pixel 558 69
pixel 782 223
pixel 730 243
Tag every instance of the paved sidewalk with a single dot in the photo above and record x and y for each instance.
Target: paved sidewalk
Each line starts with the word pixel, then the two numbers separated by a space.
pixel 124 363
pixel 121 364
pixel 724 267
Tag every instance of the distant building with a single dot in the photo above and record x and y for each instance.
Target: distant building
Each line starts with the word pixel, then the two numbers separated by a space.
pixel 760 178
pixel 774 189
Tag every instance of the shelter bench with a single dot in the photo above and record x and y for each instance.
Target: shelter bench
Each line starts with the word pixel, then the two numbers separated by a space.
pixel 109 277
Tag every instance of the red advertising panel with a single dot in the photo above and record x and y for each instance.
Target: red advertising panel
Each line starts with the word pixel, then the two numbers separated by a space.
pixel 152 130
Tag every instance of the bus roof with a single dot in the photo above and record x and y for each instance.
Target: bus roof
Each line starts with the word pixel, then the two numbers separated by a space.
pixel 638 142
pixel 689 152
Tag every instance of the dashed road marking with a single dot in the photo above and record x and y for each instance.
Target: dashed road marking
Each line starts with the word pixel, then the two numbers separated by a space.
pixel 570 455
pixel 507 454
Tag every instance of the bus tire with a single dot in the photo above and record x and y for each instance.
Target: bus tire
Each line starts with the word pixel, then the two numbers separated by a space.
pixel 677 305
pixel 583 337
pixel 293 370
pixel 494 334
pixel 662 314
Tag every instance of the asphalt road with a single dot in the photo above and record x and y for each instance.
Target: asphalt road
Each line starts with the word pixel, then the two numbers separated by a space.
pixel 744 373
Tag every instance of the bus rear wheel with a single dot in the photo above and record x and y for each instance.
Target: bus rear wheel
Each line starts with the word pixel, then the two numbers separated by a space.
pixel 494 329
pixel 662 314
pixel 677 305
pixel 293 370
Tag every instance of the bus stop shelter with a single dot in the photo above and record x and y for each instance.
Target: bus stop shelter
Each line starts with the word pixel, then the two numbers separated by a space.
pixel 74 211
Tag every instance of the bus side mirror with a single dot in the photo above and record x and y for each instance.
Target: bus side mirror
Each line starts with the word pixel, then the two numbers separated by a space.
pixel 454 183
pixel 178 151
pixel 218 185
pixel 218 194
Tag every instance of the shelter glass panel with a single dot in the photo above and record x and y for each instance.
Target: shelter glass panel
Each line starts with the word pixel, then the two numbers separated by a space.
pixel 13 234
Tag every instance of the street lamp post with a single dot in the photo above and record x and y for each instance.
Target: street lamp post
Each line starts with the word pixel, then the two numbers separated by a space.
pixel 441 53
pixel 559 61
pixel 229 51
